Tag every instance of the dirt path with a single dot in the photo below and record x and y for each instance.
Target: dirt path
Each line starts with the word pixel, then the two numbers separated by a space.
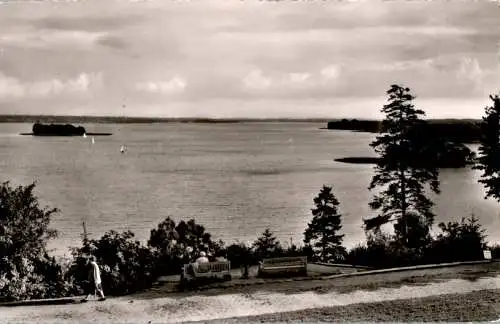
pixel 180 308
pixel 477 306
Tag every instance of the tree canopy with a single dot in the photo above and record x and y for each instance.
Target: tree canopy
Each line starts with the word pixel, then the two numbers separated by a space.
pixel 488 160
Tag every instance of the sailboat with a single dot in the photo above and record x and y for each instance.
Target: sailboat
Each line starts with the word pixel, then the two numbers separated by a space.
pixel 123 149
pixel 93 140
pixel 84 135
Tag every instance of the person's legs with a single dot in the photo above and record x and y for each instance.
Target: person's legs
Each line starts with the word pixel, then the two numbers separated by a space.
pixel 98 289
pixel 87 290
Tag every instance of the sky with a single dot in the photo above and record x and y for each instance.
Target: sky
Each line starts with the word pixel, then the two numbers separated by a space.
pixel 247 58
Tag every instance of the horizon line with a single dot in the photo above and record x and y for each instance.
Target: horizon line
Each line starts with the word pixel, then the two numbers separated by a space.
pixel 33 118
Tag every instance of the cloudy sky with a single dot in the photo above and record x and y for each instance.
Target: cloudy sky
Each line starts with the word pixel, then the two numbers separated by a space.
pixel 246 58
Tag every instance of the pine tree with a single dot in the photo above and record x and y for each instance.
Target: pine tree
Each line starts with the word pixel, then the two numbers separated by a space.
pixel 321 233
pixel 408 160
pixel 488 160
pixel 266 244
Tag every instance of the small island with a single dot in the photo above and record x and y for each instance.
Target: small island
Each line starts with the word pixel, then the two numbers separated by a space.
pixel 40 129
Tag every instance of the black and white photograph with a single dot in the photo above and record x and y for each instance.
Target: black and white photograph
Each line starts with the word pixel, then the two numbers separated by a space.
pixel 249 161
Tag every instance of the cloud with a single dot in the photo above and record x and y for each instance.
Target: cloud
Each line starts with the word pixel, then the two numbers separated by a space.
pixel 257 80
pixel 282 81
pixel 470 70
pixel 11 87
pixel 175 85
pixel 330 72
pixel 299 77
pixel 240 50
pixel 49 38
pixel 112 42
pixel 104 21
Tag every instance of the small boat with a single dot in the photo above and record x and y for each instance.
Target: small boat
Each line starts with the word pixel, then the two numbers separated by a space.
pixel 123 149
pixel 84 135
pixel 93 140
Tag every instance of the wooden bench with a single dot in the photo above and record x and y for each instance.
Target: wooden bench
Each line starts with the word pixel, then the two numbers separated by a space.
pixel 197 273
pixel 285 266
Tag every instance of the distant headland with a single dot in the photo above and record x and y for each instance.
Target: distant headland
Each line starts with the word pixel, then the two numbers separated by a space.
pixel 452 134
pixel 40 129
pixel 466 131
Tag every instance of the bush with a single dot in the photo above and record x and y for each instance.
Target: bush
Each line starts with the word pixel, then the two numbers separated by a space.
pixel 294 251
pixel 26 270
pixel 495 251
pixel 240 255
pixel 459 241
pixel 126 266
pixel 375 253
pixel 383 251
pixel 174 245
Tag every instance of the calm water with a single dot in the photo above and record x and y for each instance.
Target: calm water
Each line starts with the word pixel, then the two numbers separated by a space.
pixel 235 179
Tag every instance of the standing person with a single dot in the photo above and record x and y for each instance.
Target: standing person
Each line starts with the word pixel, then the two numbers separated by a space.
pixel 95 278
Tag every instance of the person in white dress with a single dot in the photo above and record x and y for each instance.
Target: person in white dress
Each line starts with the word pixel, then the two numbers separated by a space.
pixel 95 276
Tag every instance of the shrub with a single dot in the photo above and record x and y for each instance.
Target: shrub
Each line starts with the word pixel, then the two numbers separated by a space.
pixel 240 255
pixel 495 251
pixel 459 241
pixel 174 245
pixel 126 266
pixel 383 251
pixel 375 253
pixel 26 270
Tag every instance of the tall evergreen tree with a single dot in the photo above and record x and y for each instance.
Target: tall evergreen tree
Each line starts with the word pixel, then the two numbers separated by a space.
pixel 408 160
pixel 488 160
pixel 322 232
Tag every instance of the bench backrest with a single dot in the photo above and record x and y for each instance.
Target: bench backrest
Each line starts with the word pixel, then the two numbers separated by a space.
pixel 209 268
pixel 284 261
pixel 219 266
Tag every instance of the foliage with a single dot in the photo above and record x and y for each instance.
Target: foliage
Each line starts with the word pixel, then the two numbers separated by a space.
pixel 488 160
pixel 321 233
pixel 267 245
pixel 408 160
pixel 458 241
pixel 412 233
pixel 495 251
pixel 240 255
pixel 173 245
pixel 126 266
pixel 26 270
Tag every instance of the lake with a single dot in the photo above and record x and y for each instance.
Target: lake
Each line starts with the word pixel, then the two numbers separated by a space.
pixel 236 179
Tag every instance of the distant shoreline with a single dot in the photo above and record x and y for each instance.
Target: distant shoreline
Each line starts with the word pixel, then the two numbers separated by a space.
pixel 151 120
pixel 145 120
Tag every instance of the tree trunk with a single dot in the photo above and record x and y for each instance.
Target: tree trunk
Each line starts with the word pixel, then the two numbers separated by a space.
pixel 402 178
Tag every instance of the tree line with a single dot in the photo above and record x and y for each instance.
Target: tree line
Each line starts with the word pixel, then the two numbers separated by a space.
pixel 405 171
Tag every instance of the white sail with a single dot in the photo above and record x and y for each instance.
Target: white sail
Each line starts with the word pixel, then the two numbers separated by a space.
pixel 93 140
pixel 123 149
pixel 84 135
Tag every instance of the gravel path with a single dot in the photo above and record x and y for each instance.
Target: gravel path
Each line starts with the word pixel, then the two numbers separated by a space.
pixel 483 305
